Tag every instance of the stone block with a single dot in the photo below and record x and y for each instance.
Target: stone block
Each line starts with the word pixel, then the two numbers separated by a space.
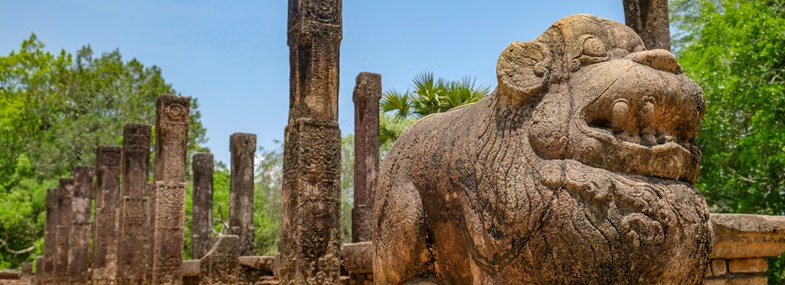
pixel 747 236
pixel 748 265
pixel 753 280
pixel 718 281
pixel 718 267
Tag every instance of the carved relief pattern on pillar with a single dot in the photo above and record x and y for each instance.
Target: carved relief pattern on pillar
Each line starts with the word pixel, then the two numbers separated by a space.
pixel 169 187
pixel 108 159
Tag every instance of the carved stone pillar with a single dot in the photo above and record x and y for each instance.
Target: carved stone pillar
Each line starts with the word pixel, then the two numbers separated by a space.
pixel 107 183
pixel 45 272
pixel 310 236
pixel 649 18
pixel 63 230
pixel 202 212
pixel 367 94
pixel 133 228
pixel 243 148
pixel 171 135
pixel 78 251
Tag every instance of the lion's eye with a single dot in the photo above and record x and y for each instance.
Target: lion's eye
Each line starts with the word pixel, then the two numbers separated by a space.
pixel 594 47
pixel 593 51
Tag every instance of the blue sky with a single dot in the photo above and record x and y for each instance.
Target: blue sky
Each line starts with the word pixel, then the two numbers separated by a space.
pixel 232 55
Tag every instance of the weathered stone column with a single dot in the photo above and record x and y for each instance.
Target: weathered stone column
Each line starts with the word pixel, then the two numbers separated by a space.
pixel 38 278
pixel 243 148
pixel 45 272
pixel 79 251
pixel 27 272
pixel 221 264
pixel 107 197
pixel 63 230
pixel 150 245
pixel 649 18
pixel 133 229
pixel 310 237
pixel 171 136
pixel 367 94
pixel 202 211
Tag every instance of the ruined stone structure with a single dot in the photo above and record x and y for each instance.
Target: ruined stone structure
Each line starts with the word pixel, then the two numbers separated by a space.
pixel 649 18
pixel 367 94
pixel 46 272
pixel 243 148
pixel 310 238
pixel 578 169
pixel 220 266
pixel 202 210
pixel 107 197
pixel 78 250
pixel 171 135
pixel 64 213
pixel 132 226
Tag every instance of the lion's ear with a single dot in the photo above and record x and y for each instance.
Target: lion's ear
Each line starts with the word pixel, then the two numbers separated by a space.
pixel 523 70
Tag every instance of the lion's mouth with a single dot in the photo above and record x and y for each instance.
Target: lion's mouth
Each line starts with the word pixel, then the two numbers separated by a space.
pixel 648 153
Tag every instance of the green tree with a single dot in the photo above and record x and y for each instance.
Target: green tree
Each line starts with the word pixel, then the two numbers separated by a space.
pixel 735 50
pixel 55 109
pixel 430 95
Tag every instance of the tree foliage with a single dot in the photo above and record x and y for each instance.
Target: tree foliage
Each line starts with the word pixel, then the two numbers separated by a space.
pixel 735 50
pixel 55 109
pixel 430 96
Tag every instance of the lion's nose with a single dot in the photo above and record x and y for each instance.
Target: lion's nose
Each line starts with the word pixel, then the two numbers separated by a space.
pixel 658 59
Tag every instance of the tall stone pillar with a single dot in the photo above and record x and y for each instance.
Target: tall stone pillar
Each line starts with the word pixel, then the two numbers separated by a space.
pixel 79 251
pixel 63 230
pixel 39 271
pixel 310 229
pixel 45 273
pixel 171 135
pixel 107 197
pixel 649 18
pixel 202 212
pixel 150 245
pixel 133 228
pixel 367 93
pixel 243 148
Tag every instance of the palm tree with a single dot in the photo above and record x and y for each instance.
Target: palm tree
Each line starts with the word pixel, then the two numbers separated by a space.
pixel 430 96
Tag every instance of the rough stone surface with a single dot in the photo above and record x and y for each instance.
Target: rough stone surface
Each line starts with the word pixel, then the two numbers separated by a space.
pixel 747 236
pixel 357 257
pixel 45 272
pixel 150 195
pixel 243 149
pixel 38 277
pixel 27 271
pixel 751 280
pixel 310 237
pixel 78 247
pixel 220 266
pixel 367 93
pixel 718 267
pixel 65 211
pixel 171 136
pixel 134 231
pixel 748 265
pixel 649 18
pixel 107 201
pixel 580 165
pixel 202 212
pixel 721 281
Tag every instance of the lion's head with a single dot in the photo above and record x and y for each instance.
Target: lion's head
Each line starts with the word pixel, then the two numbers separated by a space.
pixel 610 103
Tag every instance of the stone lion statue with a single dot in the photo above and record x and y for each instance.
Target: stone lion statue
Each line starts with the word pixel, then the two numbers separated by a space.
pixel 578 169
